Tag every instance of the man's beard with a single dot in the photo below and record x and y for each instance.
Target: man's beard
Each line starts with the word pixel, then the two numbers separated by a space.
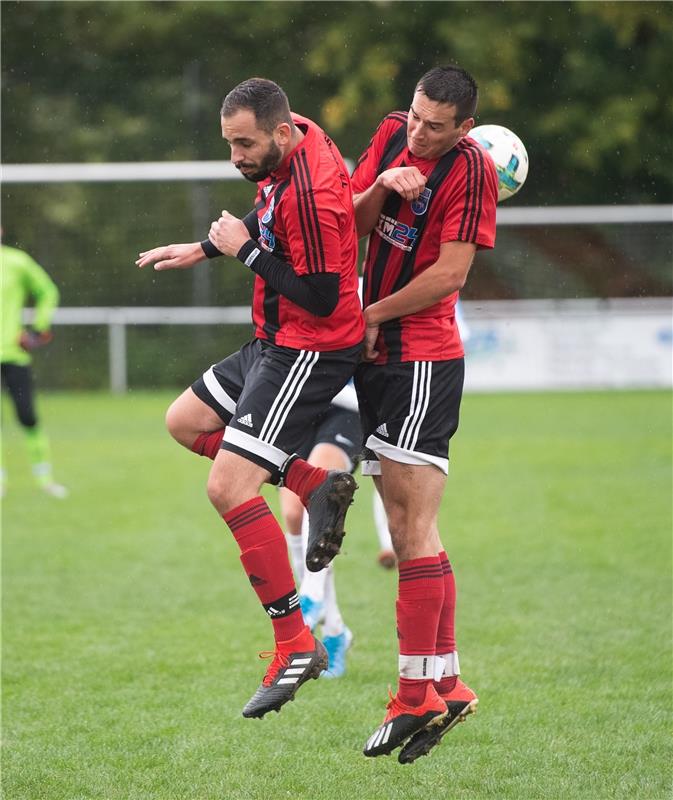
pixel 267 165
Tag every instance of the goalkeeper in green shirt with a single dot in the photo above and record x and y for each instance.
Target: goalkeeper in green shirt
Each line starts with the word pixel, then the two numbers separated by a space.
pixel 24 279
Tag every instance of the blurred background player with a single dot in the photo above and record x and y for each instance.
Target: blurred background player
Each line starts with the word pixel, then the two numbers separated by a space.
pixel 336 443
pixel 23 281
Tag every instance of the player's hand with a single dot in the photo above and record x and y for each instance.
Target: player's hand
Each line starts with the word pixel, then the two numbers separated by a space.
pixel 172 256
pixel 228 234
pixel 369 351
pixel 408 182
pixel 31 339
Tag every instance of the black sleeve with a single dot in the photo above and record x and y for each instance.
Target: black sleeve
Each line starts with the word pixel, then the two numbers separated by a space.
pixel 318 293
pixel 250 221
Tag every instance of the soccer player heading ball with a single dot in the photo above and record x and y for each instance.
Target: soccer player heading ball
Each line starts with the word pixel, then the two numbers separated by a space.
pixel 425 194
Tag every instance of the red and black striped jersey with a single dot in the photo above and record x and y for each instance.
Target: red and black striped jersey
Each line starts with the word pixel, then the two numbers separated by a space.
pixel 457 204
pixel 306 218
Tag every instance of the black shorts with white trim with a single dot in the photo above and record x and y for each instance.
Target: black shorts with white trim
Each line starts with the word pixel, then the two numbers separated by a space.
pixel 271 398
pixel 409 411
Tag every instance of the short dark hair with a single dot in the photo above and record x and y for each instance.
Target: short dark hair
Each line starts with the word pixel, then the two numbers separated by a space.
pixel 264 98
pixel 451 85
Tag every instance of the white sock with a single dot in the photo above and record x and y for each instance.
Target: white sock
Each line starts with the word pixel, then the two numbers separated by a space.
pixel 381 521
pixel 312 583
pixel 333 624
pixel 294 545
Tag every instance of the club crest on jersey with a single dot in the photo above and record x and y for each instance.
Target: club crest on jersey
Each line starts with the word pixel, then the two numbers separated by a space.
pixel 420 205
pixel 397 233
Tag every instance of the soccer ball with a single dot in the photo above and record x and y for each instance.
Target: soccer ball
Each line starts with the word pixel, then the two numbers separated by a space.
pixel 509 155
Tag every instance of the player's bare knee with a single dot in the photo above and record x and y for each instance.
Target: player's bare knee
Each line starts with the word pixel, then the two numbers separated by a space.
pixel 172 420
pixel 177 425
pixel 218 493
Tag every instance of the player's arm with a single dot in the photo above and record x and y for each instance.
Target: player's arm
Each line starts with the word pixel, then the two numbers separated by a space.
pixel 446 276
pixel 184 256
pixel 46 296
pixel 311 279
pixel 408 182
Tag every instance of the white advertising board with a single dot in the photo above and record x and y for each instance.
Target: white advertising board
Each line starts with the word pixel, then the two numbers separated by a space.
pixel 538 345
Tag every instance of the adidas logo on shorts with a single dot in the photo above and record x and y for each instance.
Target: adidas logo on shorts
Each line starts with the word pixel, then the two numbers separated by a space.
pixel 381 429
pixel 246 420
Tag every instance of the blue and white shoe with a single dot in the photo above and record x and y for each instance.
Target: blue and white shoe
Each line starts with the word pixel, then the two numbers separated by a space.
pixel 311 610
pixel 337 647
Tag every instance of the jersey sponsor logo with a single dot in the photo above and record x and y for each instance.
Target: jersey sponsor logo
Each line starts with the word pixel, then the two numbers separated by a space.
pixel 397 233
pixel 246 420
pixel 266 238
pixel 420 205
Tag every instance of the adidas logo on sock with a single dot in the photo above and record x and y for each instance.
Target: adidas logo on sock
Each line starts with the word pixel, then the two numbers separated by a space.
pixel 246 420
pixel 382 430
pixel 256 581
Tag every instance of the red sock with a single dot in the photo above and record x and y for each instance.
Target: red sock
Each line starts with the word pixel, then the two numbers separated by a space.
pixel 266 563
pixel 446 633
pixel 419 604
pixel 208 444
pixel 302 478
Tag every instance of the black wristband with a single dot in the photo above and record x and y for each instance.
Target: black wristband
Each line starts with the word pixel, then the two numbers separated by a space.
pixel 248 252
pixel 210 250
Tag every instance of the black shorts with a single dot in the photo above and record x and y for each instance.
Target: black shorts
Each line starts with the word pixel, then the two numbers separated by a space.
pixel 271 397
pixel 409 411
pixel 340 427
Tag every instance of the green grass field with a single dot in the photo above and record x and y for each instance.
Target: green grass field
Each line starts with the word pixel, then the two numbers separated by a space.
pixel 131 634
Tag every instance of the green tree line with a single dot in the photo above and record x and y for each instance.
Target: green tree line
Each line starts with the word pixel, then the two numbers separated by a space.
pixel 587 85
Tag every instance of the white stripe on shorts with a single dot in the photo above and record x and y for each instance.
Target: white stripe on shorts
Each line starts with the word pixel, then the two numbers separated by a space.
pixel 251 444
pixel 420 398
pixel 287 397
pixel 218 393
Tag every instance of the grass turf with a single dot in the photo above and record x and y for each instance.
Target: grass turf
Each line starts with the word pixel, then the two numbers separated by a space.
pixel 130 632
